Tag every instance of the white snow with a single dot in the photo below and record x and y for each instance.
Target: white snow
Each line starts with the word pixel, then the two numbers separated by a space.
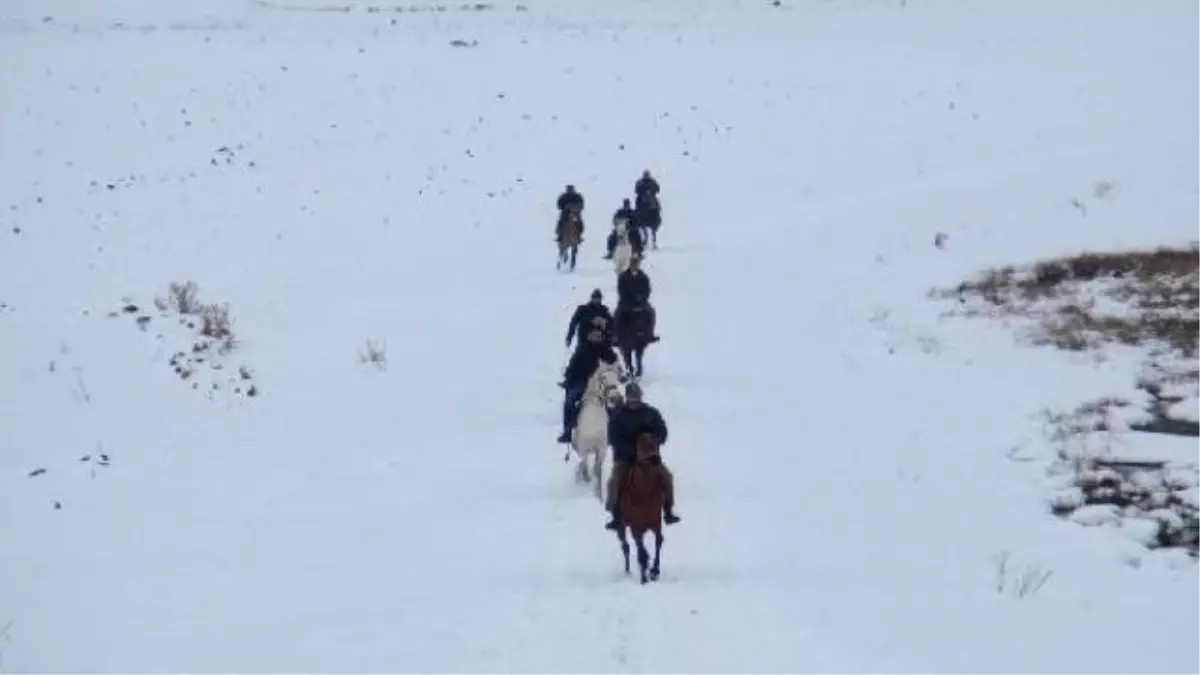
pixel 841 448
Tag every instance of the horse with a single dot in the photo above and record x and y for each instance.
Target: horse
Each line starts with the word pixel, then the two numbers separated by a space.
pixel 634 330
pixel 569 235
pixel 644 491
pixel 649 215
pixel 590 436
pixel 623 251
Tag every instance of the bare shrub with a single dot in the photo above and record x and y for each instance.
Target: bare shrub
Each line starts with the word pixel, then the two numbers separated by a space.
pixel 214 321
pixel 1021 581
pixel 373 353
pixel 183 297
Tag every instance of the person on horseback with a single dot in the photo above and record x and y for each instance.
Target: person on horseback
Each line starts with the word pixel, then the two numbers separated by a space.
pixel 647 210
pixel 588 316
pixel 580 369
pixel 646 185
pixel 633 290
pixel 624 213
pixel 636 240
pixel 570 199
pixel 628 422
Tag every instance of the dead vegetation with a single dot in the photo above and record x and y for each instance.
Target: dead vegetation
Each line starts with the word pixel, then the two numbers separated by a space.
pixel 1148 299
pixel 1081 302
pixel 207 339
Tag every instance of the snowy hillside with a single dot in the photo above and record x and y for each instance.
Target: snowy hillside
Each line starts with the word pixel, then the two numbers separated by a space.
pixel 862 476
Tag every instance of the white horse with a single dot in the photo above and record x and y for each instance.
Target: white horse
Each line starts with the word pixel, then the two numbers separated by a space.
pixel 591 428
pixel 623 251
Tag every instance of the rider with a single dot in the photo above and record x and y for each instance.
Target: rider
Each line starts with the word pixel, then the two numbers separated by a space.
pixel 646 185
pixel 636 240
pixel 625 425
pixel 593 314
pixel 624 213
pixel 570 199
pixel 582 366
pixel 633 289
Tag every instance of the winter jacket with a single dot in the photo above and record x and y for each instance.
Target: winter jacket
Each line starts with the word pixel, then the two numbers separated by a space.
pixel 627 423
pixel 625 213
pixel 569 199
pixel 584 320
pixel 585 361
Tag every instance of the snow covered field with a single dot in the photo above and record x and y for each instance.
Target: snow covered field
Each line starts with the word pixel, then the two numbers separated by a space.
pixel 341 171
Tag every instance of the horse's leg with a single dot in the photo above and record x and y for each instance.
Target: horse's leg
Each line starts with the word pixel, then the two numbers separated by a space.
pixel 639 353
pixel 627 356
pixel 643 556
pixel 574 253
pixel 658 542
pixel 598 471
pixel 624 547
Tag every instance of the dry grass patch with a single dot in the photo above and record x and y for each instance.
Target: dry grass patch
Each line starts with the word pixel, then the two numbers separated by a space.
pixel 1080 302
pixel 1148 299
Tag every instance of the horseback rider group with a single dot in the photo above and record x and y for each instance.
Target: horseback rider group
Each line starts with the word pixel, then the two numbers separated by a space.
pixel 596 330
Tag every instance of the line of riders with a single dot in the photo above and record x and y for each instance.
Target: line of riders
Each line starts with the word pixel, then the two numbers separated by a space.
pixel 641 219
pixel 596 331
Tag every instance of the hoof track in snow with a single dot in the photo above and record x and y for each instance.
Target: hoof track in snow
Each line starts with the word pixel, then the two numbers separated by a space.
pixel 207 332
pixel 228 156
pixel 1146 299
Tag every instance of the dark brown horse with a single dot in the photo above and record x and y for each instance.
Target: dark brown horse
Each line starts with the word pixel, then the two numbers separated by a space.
pixel 644 491
pixel 568 233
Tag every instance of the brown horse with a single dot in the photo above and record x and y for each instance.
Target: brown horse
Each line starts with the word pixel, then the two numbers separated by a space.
pixel 569 234
pixel 646 489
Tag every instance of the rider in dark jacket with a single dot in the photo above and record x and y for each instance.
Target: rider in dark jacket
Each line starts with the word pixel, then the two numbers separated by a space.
pixel 633 285
pixel 585 318
pixel 580 369
pixel 570 199
pixel 646 185
pixel 624 213
pixel 633 290
pixel 625 424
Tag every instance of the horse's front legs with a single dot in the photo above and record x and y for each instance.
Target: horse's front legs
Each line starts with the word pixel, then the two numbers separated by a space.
pixel 627 357
pixel 643 556
pixel 574 253
pixel 639 354
pixel 598 471
pixel 658 542
pixel 624 547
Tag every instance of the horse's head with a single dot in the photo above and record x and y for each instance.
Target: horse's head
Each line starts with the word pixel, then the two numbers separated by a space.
pixel 605 383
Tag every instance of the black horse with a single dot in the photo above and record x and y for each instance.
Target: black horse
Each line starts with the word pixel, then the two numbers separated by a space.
pixel 648 215
pixel 634 328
